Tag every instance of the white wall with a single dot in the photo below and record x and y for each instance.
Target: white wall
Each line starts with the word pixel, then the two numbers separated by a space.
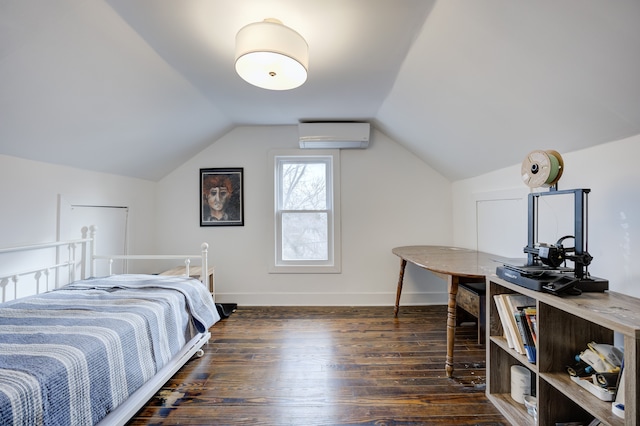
pixel 29 194
pixel 611 172
pixel 389 198
pixel 164 216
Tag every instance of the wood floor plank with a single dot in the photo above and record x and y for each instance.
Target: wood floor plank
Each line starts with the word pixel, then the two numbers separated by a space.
pixel 328 366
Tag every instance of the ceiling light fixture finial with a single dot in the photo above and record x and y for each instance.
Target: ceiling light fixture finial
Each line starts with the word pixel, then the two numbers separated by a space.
pixel 271 55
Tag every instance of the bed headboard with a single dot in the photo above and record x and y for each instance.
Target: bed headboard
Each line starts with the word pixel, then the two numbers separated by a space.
pixel 47 266
pixel 53 258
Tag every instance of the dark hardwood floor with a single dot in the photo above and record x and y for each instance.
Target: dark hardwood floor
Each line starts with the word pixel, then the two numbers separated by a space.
pixel 328 366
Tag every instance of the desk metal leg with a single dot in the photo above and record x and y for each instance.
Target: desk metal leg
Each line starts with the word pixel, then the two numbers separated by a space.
pixel 403 264
pixel 452 284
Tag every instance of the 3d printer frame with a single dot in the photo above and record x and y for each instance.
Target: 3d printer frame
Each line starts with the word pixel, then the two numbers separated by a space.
pixel 543 271
pixel 555 254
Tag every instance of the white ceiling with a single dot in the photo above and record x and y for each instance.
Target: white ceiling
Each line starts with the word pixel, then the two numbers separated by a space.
pixel 138 87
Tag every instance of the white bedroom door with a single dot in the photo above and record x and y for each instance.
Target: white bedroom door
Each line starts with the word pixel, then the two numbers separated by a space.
pixel 111 235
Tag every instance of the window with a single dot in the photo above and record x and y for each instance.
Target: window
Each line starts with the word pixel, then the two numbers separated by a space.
pixel 306 219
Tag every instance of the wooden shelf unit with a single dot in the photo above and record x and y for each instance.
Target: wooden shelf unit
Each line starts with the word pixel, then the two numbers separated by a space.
pixel 565 325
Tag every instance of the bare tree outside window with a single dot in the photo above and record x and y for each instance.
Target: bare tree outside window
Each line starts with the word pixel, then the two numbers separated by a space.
pixel 304 211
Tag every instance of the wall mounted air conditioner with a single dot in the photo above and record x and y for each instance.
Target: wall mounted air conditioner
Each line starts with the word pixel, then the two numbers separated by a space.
pixel 334 135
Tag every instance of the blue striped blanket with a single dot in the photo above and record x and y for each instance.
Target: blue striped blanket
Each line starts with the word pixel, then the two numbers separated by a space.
pixel 72 355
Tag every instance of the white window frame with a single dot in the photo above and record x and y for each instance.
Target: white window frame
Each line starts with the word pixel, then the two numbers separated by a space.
pixel 334 263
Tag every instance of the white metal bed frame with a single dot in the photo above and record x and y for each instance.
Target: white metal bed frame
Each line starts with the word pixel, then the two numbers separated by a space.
pixel 204 276
pixel 139 398
pixel 71 263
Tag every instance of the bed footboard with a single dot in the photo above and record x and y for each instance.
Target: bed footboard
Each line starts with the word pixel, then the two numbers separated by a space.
pixel 186 258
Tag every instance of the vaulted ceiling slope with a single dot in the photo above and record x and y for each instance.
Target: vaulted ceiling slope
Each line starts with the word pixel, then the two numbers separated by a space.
pixel 138 87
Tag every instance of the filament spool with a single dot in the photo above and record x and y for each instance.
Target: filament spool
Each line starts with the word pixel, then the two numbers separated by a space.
pixel 542 168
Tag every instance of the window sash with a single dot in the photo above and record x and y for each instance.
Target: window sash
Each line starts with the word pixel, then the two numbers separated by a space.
pixel 308 253
pixel 284 161
pixel 303 241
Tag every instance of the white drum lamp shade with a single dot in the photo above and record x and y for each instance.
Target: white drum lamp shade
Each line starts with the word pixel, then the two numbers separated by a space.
pixel 271 56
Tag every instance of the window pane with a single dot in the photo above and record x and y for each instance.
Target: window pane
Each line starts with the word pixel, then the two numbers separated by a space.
pixel 304 236
pixel 304 186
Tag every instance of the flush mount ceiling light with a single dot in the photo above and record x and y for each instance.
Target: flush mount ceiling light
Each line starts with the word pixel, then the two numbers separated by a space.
pixel 271 56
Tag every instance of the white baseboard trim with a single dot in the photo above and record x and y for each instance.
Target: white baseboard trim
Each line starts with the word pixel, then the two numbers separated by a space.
pixel 331 299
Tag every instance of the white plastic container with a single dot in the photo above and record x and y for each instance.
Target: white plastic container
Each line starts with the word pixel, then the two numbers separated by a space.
pixel 520 383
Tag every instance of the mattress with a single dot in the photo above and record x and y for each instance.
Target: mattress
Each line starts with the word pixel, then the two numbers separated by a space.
pixel 72 355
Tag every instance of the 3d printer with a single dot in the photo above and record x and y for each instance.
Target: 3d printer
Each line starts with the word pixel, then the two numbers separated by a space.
pixel 546 268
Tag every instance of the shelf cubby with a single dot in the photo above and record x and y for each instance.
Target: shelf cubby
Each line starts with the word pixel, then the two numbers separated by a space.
pixel 566 324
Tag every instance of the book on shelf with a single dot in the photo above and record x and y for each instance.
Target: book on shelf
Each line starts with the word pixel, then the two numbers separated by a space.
pixel 531 314
pixel 514 302
pixel 525 334
pixel 503 314
pixel 507 305
pixel 508 324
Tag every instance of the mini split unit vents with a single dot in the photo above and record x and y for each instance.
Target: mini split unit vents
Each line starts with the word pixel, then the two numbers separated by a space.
pixel 334 135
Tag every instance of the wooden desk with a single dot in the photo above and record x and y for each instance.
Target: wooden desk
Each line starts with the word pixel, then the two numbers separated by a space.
pixel 194 272
pixel 454 265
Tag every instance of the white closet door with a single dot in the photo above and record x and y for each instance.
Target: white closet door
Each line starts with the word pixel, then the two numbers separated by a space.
pixel 501 229
pixel 111 236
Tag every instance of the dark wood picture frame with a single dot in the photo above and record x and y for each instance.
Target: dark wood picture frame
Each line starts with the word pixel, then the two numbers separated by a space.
pixel 222 196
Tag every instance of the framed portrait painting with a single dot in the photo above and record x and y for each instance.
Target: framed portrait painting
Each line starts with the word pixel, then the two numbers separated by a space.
pixel 221 197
